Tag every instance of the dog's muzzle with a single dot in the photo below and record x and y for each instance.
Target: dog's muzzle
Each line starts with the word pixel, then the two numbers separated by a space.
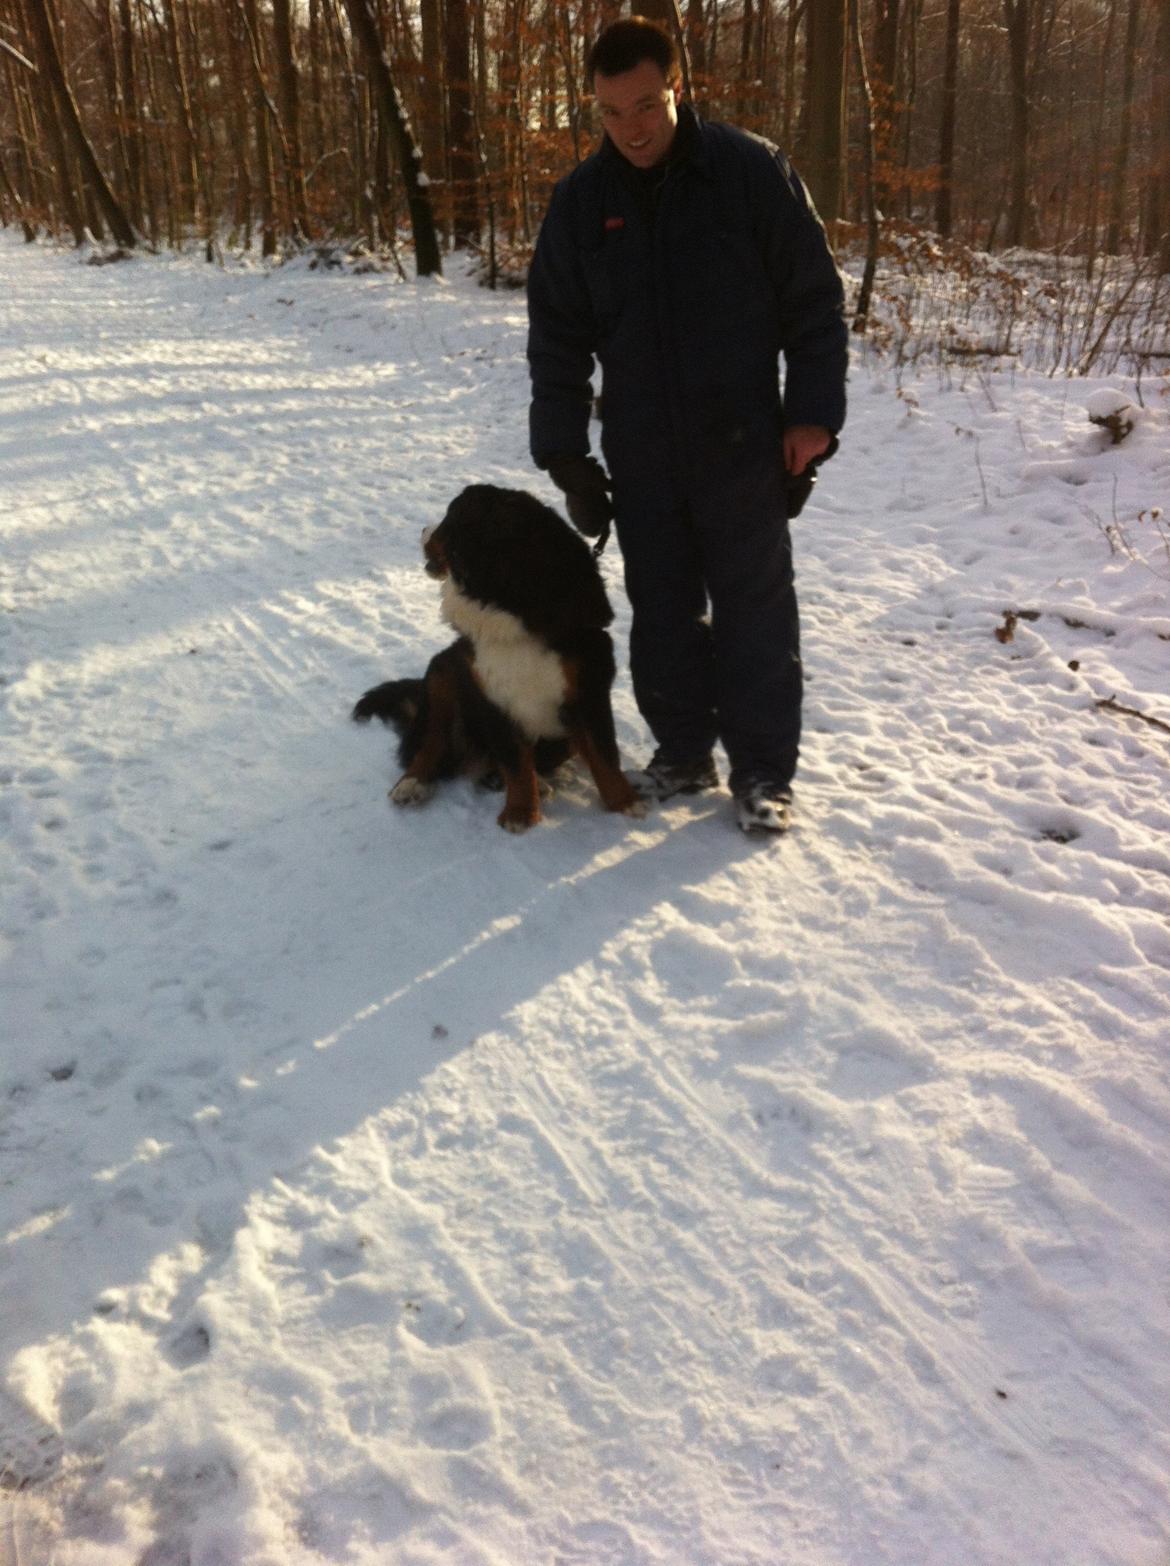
pixel 435 561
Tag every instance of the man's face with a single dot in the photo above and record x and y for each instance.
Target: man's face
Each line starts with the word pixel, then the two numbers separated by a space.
pixel 639 110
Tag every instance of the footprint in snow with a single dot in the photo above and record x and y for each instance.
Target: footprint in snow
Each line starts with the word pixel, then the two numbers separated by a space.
pixel 454 1425
pixel 190 1347
pixel 448 1417
pixel 690 966
pixel 875 1064
pixel 30 1449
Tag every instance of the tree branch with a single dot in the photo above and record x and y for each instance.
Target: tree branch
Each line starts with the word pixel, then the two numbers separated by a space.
pixel 1112 704
pixel 18 57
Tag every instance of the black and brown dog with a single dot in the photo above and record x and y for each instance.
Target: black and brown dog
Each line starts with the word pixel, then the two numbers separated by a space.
pixel 527 682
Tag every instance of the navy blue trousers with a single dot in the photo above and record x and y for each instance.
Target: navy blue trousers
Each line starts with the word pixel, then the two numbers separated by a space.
pixel 715 640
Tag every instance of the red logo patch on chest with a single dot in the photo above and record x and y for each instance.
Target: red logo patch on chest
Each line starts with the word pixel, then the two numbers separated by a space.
pixel 614 222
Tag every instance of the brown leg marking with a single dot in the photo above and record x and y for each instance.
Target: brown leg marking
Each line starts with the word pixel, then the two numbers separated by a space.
pixel 615 788
pixel 416 785
pixel 522 796
pixel 599 750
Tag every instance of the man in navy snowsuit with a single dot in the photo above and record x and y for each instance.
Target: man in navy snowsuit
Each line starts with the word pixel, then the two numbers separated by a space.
pixel 685 258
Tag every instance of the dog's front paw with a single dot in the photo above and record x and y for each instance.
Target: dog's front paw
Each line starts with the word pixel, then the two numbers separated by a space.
pixel 619 795
pixel 517 818
pixel 411 791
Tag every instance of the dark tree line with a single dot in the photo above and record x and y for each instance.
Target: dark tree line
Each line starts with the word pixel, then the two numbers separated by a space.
pixel 272 123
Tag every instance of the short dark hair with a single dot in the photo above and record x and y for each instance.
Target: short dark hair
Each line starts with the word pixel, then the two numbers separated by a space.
pixel 626 44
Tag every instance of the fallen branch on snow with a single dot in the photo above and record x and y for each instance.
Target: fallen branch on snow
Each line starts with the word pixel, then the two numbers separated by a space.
pixel 1112 704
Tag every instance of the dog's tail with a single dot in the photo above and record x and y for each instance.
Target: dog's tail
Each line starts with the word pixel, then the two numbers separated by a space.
pixel 396 703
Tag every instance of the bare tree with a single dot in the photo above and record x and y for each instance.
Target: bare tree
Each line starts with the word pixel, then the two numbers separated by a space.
pixel 192 185
pixel 24 192
pixel 461 131
pixel 1157 241
pixel 74 137
pixel 882 77
pixel 288 80
pixel 390 107
pixel 1125 134
pixel 869 139
pixel 824 112
pixel 944 202
pixel 242 115
pixel 430 116
pixel 1028 24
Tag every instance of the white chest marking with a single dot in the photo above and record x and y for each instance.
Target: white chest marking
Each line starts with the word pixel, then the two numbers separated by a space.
pixel 516 670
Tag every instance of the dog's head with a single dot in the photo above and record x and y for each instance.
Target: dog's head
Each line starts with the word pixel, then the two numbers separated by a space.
pixel 506 549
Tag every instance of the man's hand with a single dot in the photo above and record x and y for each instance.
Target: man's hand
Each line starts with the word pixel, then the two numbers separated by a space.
pixel 804 443
pixel 586 489
pixel 806 446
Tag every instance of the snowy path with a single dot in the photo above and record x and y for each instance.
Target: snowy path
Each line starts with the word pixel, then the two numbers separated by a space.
pixel 380 1188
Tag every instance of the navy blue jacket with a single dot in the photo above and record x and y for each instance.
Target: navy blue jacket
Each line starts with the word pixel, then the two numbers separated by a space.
pixel 686 295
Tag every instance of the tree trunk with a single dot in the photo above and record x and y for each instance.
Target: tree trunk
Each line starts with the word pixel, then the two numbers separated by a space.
pixel 154 154
pixel 569 66
pixel 422 220
pixel 824 113
pixel 1113 239
pixel 262 107
pixel 1096 143
pixel 1020 225
pixel 1157 237
pixel 10 187
pixel 697 50
pixel 288 85
pixel 317 44
pixel 792 27
pixel 511 116
pixel 193 206
pixel 431 115
pixel 461 126
pixel 12 196
pixel 944 202
pixel 108 55
pixel 28 177
pixel 869 137
pixel 884 92
pixel 128 109
pixel 72 128
pixel 238 74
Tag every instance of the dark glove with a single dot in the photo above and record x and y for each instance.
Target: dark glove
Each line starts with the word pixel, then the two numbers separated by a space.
pixel 586 489
pixel 799 486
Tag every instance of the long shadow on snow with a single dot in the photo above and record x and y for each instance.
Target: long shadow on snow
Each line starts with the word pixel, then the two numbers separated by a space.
pixel 433 924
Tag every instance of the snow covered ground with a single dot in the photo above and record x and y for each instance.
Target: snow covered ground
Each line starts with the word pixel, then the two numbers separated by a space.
pixel 377 1187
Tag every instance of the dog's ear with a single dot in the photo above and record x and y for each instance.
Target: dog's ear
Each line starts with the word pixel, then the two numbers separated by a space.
pixel 571 590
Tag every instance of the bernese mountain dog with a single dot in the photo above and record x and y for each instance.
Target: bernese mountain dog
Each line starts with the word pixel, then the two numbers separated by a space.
pixel 526 684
